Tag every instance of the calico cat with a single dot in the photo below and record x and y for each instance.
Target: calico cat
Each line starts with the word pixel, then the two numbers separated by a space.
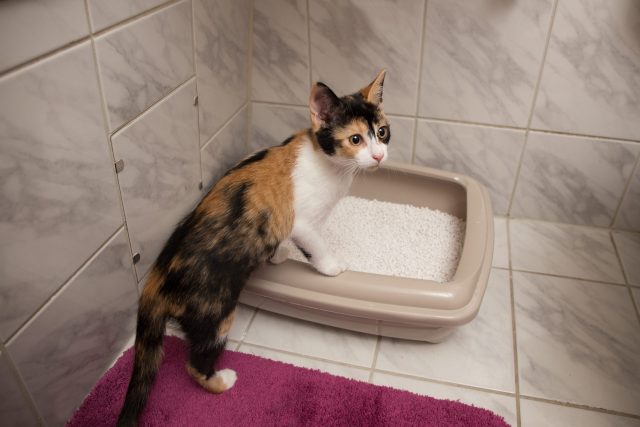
pixel 284 192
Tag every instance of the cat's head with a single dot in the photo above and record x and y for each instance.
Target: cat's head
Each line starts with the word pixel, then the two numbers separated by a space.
pixel 353 130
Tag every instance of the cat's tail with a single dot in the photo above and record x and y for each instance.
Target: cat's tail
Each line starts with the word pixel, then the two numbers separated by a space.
pixel 148 354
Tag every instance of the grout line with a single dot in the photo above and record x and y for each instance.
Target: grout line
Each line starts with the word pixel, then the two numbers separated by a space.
pixel 157 102
pixel 516 177
pixel 244 333
pixel 423 32
pixel 309 44
pixel 560 276
pixel 579 406
pixel 224 125
pixel 571 225
pixel 414 136
pixel 618 258
pixel 376 351
pixel 65 283
pixel 22 385
pixel 249 121
pixel 105 118
pixel 26 64
pixel 195 83
pixel 536 90
pixel 586 135
pixel 542 62
pixel 306 356
pixel 446 383
pixel 514 334
pixel 636 169
pixel 144 14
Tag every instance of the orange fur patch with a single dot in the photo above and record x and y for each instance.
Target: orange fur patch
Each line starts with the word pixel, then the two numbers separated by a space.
pixel 226 324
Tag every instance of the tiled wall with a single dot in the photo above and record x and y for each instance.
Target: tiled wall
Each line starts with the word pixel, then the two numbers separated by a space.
pixel 537 99
pixel 540 99
pixel 162 86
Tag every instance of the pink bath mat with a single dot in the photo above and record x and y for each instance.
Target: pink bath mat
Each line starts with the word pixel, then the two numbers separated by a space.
pixel 268 393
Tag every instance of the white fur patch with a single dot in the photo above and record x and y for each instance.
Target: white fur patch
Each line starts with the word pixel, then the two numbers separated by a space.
pixel 228 377
pixel 317 186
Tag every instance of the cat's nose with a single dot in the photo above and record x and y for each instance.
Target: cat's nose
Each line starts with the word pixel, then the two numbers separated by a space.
pixel 378 157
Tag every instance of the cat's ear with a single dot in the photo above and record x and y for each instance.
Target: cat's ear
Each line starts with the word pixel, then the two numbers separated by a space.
pixel 323 104
pixel 373 92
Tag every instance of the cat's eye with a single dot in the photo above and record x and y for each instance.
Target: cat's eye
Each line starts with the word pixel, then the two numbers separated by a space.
pixel 382 132
pixel 355 139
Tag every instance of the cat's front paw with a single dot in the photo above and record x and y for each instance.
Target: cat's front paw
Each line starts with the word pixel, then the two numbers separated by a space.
pixel 331 266
pixel 281 255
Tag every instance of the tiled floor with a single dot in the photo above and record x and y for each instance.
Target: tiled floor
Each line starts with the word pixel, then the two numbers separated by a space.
pixel 556 342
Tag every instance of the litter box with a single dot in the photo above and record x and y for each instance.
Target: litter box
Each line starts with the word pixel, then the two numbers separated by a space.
pixel 386 305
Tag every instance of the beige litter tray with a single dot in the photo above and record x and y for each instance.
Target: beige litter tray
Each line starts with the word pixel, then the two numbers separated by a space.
pixel 384 305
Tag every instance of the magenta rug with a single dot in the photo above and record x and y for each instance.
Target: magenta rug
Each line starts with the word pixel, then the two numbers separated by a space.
pixel 269 393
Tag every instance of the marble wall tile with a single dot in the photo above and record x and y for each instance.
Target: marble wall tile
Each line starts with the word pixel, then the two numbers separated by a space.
pixel 535 414
pixel 628 245
pixel 271 124
pixel 565 250
pixel 502 405
pixel 590 80
pixel 350 46
pixel 225 149
pixel 489 155
pixel 481 59
pixel 401 144
pixel 145 60
pixel 577 342
pixel 160 179
pixel 280 52
pixel 572 179
pixel 105 13
pixel 222 60
pixel 14 407
pixel 305 338
pixel 629 214
pixel 32 28
pixel 58 196
pixel 331 368
pixel 478 354
pixel 72 341
pixel 500 243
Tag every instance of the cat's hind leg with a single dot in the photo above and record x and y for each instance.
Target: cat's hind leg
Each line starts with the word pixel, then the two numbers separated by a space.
pixel 206 343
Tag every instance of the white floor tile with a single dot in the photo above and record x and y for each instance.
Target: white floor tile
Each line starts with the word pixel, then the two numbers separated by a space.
pixel 565 250
pixel 332 368
pixel 577 342
pixel 478 354
pixel 502 405
pixel 297 336
pixel 535 414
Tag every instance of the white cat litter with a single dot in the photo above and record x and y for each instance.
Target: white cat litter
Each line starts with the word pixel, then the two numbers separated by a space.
pixel 393 239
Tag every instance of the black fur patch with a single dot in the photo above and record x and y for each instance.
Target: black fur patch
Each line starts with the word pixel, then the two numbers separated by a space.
pixel 306 254
pixel 352 107
pixel 256 157
pixel 236 199
pixel 287 141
